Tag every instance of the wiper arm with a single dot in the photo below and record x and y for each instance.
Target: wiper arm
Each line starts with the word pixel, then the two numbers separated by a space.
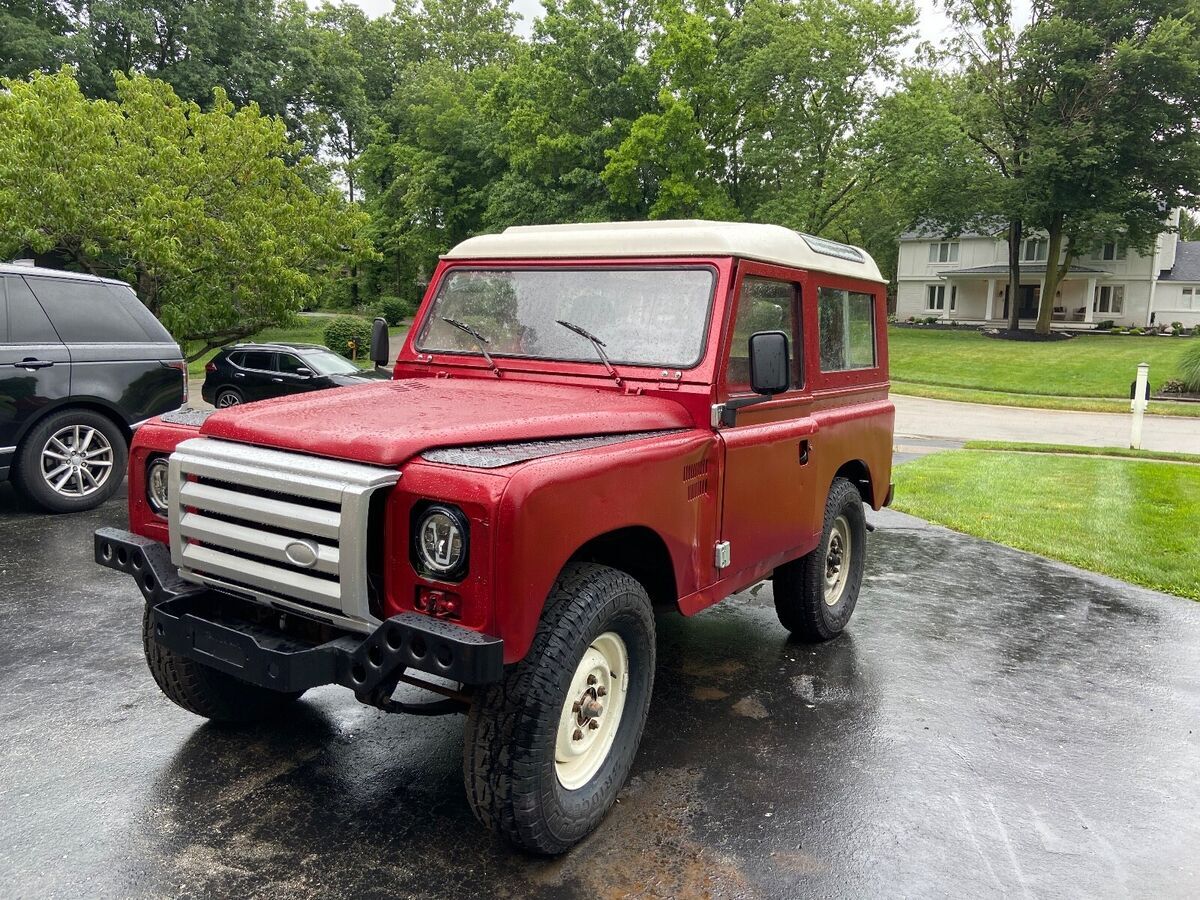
pixel 479 339
pixel 596 342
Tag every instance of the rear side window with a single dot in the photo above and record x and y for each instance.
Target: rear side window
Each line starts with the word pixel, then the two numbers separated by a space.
pixel 847 327
pixel 258 359
pixel 87 312
pixel 137 311
pixel 27 322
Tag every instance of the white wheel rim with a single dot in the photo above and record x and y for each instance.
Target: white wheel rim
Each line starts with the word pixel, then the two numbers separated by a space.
pixel 837 561
pixel 228 399
pixel 591 715
pixel 77 461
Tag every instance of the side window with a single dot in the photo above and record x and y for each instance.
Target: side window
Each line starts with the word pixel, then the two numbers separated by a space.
pixel 237 359
pixel 27 322
pixel 85 312
pixel 137 311
pixel 847 330
pixel 289 364
pixel 258 359
pixel 763 305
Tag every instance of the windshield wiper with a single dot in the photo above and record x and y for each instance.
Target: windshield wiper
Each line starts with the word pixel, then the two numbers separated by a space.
pixel 596 342
pixel 479 339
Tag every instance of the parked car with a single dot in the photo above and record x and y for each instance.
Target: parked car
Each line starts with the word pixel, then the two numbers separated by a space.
pixel 248 372
pixel 586 422
pixel 82 364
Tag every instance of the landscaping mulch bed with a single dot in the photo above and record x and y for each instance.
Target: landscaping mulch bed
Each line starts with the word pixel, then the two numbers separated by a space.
pixel 1003 334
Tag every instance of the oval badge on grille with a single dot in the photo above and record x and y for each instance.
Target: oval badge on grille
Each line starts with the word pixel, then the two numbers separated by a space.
pixel 301 553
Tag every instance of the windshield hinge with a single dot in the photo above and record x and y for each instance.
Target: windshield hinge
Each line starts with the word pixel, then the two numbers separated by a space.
pixel 669 379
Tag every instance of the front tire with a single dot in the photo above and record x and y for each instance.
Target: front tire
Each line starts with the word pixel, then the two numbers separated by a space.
pixel 549 746
pixel 73 460
pixel 227 397
pixel 815 595
pixel 204 691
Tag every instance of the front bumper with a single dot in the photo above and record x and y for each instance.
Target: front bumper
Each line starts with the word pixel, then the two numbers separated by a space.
pixel 246 640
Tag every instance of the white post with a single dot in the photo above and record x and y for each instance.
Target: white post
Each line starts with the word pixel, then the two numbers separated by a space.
pixel 991 300
pixel 1138 404
pixel 1089 302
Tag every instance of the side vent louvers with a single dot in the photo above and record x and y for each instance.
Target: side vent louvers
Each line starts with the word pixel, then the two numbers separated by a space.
pixel 695 476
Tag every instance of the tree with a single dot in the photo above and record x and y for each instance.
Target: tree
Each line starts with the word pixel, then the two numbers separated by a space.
pixel 202 211
pixel 1114 144
pixel 34 36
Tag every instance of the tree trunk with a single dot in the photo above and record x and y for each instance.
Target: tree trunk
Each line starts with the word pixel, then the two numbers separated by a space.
pixel 1014 275
pixel 1053 275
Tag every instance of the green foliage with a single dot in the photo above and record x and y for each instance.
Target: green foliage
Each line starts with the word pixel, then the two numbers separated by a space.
pixel 1188 368
pixel 396 309
pixel 349 336
pixel 209 214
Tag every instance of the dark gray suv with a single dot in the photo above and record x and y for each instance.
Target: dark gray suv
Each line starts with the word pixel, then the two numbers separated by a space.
pixel 82 364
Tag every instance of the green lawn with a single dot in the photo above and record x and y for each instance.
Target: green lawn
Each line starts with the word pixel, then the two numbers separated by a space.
pixel 1075 450
pixel 1038 401
pixel 1085 366
pixel 1131 519
pixel 306 331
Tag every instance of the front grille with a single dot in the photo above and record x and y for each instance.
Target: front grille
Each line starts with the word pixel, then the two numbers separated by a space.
pixel 285 529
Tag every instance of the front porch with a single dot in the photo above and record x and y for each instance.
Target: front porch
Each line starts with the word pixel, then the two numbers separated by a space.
pixel 1083 298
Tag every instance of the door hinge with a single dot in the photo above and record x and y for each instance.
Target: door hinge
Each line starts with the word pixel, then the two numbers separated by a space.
pixel 721 556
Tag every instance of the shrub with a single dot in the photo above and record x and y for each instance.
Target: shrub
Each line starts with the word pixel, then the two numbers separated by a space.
pixel 1196 331
pixel 396 309
pixel 1106 325
pixel 1177 328
pixel 1137 331
pixel 1188 369
pixel 349 336
pixel 932 320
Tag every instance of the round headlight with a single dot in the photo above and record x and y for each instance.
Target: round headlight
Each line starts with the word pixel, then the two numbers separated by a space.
pixel 441 540
pixel 156 484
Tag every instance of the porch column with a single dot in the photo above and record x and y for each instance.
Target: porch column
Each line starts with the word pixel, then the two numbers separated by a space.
pixel 991 300
pixel 1090 300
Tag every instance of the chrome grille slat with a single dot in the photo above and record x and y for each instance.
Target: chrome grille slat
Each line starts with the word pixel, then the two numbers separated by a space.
pixel 261 510
pixel 238 530
pixel 228 536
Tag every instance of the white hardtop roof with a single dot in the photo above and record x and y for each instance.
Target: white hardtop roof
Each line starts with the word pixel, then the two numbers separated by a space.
pixel 768 243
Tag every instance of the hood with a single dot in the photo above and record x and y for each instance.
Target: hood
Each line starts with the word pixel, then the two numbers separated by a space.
pixel 366 377
pixel 390 422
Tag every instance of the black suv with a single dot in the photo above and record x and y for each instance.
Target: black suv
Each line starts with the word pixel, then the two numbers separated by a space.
pixel 248 372
pixel 82 364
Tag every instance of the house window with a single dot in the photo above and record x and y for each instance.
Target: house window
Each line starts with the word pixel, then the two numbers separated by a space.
pixel 1110 299
pixel 846 326
pixel 1189 298
pixel 935 297
pixel 1035 249
pixel 943 251
pixel 1111 250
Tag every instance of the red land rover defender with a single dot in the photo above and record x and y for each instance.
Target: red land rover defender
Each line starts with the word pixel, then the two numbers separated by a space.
pixel 586 422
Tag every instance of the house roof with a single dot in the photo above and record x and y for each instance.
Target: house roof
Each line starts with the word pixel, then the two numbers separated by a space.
pixel 1026 269
pixel 1187 263
pixel 932 232
pixel 768 243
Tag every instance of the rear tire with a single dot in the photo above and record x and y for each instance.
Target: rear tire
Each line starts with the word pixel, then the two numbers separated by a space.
pixel 815 595
pixel 227 397
pixel 71 461
pixel 204 691
pixel 549 746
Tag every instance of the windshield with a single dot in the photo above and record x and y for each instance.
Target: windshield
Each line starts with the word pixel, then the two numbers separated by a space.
pixel 645 317
pixel 326 362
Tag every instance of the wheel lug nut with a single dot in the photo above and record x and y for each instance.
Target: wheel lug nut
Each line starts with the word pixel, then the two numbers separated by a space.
pixel 578 735
pixel 601 691
pixel 576 706
pixel 591 679
pixel 593 724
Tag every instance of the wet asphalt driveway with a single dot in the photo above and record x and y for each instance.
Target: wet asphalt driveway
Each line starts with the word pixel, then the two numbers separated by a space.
pixel 991 724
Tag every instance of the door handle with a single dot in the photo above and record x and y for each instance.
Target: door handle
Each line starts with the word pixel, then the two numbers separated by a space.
pixel 804 452
pixel 277 380
pixel 31 363
pixel 238 375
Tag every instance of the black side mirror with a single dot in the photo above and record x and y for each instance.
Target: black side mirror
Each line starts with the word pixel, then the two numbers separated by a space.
pixel 380 350
pixel 769 362
pixel 304 372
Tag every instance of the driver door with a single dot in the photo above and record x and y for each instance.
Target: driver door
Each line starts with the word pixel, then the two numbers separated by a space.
pixel 767 473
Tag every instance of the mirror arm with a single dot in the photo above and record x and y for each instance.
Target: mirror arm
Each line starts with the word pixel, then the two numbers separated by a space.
pixel 729 409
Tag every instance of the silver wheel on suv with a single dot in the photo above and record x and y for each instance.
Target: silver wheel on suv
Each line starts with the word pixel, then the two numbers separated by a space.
pixel 228 398
pixel 77 461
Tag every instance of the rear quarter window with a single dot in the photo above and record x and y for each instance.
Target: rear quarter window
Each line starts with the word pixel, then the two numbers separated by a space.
pixel 92 312
pixel 846 322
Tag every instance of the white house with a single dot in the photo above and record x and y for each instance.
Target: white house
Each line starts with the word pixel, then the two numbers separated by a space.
pixel 965 279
